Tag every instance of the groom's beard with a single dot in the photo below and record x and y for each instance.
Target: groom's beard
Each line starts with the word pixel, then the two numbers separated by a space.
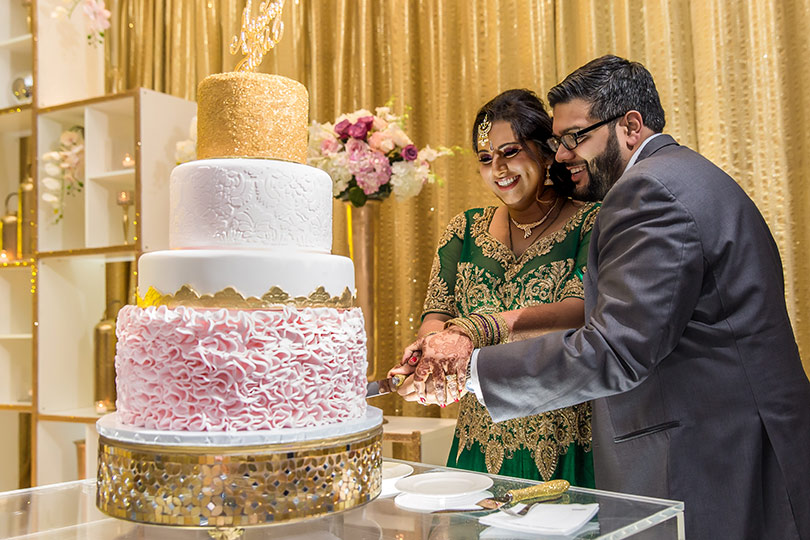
pixel 603 171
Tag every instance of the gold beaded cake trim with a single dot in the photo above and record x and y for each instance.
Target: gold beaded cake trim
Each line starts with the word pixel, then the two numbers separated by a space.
pixel 216 487
pixel 232 299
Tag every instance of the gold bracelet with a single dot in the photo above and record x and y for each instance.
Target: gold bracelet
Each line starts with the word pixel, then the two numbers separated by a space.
pixel 467 328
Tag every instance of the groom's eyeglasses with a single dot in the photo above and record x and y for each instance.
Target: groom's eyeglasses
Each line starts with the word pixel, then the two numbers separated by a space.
pixel 571 140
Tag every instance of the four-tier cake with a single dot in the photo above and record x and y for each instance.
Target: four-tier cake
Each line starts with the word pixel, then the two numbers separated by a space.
pixel 241 371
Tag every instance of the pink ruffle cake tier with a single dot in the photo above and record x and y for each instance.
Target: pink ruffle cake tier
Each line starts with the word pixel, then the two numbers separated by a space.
pixel 191 369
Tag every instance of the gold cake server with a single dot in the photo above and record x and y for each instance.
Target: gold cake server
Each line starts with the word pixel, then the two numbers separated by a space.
pixel 546 491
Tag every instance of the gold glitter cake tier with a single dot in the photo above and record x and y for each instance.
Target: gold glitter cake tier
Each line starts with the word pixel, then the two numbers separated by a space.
pixel 238 486
pixel 252 115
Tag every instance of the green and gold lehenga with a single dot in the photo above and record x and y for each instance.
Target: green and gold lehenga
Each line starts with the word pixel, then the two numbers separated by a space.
pixel 473 271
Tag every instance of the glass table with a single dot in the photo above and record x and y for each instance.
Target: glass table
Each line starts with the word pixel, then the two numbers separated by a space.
pixel 68 511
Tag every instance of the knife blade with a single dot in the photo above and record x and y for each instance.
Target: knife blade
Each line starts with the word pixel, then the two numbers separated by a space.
pixel 546 491
pixel 384 386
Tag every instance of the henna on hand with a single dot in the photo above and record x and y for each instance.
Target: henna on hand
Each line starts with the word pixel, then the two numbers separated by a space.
pixel 445 353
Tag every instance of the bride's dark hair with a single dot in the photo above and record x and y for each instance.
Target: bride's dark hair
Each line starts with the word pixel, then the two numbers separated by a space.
pixel 527 115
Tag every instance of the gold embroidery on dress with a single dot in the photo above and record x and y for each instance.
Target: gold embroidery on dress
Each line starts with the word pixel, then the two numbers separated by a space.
pixel 438 297
pixel 490 246
pixel 454 228
pixel 548 435
pixel 545 284
pixel 545 244
pixel 573 289
pixel 494 249
pixel 590 219
pixel 474 286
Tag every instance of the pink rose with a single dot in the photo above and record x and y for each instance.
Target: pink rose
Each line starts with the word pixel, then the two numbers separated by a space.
pixel 329 146
pixel 356 149
pixel 381 141
pixel 409 153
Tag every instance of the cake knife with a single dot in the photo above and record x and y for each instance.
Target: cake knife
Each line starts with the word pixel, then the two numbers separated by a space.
pixel 547 491
pixel 384 386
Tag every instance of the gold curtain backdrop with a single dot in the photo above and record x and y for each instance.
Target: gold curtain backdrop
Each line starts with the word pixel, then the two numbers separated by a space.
pixel 732 75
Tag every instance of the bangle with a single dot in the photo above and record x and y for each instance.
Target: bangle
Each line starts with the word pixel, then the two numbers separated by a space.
pixel 503 328
pixel 468 329
pixel 482 328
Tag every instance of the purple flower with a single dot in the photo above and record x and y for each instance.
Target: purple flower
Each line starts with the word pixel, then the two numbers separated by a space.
pixel 342 128
pixel 410 152
pixel 359 129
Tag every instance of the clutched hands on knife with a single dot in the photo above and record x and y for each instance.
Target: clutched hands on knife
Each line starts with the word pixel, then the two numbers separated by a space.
pixel 436 367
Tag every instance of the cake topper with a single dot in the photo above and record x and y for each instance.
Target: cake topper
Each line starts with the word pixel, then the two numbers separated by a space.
pixel 258 35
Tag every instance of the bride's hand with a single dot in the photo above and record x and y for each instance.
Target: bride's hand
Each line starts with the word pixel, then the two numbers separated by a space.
pixel 444 358
pixel 410 357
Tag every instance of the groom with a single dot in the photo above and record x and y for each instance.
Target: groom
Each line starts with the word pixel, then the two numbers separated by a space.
pixel 687 350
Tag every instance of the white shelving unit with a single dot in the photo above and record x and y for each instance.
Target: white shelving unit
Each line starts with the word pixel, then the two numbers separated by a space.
pixel 50 303
pixel 9 450
pixel 16 49
pixel 142 124
pixel 73 253
pixel 16 338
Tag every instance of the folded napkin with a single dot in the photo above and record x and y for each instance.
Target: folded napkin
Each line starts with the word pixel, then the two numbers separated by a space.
pixel 546 519
pixel 590 530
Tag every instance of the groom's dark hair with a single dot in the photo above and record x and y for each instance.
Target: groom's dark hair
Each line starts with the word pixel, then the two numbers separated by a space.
pixel 612 86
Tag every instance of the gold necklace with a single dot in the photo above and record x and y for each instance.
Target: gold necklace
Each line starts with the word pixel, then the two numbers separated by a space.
pixel 527 227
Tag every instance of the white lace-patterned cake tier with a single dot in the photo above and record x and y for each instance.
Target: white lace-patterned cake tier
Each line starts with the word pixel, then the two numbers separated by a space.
pixel 250 272
pixel 250 203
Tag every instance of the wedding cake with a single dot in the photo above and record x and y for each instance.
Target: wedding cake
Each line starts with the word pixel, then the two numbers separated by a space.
pixel 241 372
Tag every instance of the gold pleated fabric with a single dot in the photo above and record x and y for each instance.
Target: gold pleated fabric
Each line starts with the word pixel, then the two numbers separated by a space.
pixel 732 74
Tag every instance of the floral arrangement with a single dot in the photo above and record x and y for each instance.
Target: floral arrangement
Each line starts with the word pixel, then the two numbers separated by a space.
pixel 186 150
pixel 97 17
pixel 63 170
pixel 369 156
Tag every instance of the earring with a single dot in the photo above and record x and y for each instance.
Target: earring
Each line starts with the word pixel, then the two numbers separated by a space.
pixel 549 181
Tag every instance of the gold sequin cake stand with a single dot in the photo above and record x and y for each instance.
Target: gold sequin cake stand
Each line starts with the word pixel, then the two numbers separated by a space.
pixel 229 480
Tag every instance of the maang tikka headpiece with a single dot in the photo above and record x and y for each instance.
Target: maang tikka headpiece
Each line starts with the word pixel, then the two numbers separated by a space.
pixel 483 132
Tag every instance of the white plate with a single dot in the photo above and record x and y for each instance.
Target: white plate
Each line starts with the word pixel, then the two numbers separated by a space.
pixel 395 471
pixel 444 484
pixel 418 503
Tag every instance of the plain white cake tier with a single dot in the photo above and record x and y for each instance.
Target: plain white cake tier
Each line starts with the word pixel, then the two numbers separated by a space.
pixel 251 272
pixel 250 203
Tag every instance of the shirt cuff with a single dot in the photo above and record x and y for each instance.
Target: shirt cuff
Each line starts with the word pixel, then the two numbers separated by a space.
pixel 473 385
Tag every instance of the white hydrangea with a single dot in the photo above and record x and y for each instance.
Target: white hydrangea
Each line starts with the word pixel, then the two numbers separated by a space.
pixel 407 178
pixel 337 167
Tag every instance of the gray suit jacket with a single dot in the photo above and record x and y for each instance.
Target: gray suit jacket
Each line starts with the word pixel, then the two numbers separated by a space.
pixel 687 350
